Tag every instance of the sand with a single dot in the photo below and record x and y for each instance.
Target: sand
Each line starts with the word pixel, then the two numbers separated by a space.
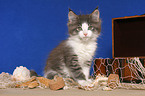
pixel 71 92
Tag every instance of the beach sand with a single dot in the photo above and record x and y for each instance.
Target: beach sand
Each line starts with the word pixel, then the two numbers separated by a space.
pixel 70 92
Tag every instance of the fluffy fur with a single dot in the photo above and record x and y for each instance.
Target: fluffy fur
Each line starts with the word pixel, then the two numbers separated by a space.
pixel 72 57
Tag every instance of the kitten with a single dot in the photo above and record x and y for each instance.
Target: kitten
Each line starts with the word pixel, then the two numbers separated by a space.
pixel 72 57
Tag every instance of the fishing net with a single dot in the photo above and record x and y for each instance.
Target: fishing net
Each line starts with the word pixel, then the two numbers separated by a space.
pixel 131 71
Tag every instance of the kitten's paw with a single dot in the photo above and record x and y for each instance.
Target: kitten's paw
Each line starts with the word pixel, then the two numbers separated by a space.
pixel 90 80
pixel 84 82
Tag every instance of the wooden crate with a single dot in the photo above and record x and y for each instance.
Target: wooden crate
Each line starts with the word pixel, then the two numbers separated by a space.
pixel 128 37
pixel 127 42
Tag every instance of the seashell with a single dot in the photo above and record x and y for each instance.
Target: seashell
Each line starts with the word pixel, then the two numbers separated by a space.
pixel 21 74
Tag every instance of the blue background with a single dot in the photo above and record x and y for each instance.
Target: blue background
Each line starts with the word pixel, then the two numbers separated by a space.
pixel 30 29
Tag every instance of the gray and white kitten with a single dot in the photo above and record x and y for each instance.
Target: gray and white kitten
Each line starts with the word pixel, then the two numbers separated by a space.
pixel 72 57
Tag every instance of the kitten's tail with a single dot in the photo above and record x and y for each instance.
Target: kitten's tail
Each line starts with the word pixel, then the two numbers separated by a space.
pixel 33 73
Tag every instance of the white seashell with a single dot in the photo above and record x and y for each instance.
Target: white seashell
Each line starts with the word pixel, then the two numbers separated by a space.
pixel 21 74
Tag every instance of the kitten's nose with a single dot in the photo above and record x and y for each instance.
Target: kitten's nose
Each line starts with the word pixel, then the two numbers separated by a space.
pixel 85 34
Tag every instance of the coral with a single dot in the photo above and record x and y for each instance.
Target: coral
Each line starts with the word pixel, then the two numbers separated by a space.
pixel 6 81
pixel 21 74
pixel 54 84
pixel 113 81
pixel 107 89
pixel 33 84
pixel 100 80
pixel 26 83
pixel 43 82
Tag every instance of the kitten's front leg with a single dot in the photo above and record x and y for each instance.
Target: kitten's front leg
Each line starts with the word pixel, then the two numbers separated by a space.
pixel 86 70
pixel 79 73
pixel 75 68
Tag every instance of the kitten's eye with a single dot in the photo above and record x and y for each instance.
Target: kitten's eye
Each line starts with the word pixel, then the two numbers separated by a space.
pixel 79 29
pixel 90 28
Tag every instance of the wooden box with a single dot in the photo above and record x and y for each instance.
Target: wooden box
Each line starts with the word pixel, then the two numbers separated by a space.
pixel 128 41
pixel 128 36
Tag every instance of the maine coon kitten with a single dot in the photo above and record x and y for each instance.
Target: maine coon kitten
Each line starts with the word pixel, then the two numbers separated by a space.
pixel 72 57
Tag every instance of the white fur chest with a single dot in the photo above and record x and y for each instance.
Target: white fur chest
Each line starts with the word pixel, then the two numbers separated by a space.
pixel 85 51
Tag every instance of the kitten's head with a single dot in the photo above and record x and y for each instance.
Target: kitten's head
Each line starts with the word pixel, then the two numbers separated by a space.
pixel 84 27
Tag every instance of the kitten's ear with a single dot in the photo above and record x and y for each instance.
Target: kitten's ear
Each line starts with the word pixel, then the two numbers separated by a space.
pixel 95 15
pixel 72 16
